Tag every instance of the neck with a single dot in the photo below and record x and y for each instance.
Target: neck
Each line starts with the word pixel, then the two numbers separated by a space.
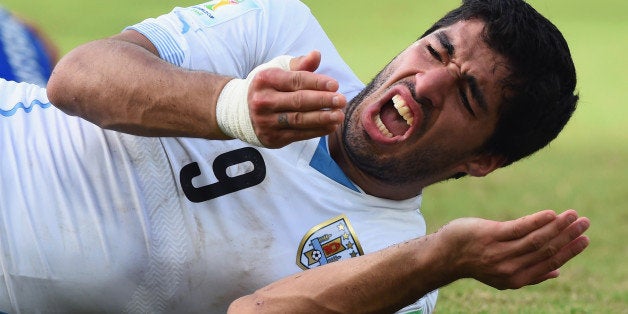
pixel 367 183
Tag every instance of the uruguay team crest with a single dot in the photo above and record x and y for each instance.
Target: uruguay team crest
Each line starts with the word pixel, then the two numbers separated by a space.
pixel 328 242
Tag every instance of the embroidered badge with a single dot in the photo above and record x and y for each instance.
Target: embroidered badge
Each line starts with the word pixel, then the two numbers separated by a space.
pixel 328 242
pixel 216 11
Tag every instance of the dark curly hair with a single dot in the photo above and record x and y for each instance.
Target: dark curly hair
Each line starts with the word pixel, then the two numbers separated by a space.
pixel 539 92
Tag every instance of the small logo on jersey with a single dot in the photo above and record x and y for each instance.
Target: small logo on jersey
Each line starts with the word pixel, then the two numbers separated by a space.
pixel 328 242
pixel 213 5
pixel 216 11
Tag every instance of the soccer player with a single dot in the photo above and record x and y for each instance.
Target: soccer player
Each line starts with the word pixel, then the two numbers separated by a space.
pixel 26 53
pixel 98 220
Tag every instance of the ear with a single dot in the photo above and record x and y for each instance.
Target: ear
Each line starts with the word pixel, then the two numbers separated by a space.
pixel 481 165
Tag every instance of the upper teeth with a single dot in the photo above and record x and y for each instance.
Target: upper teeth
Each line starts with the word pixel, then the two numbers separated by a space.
pixel 403 110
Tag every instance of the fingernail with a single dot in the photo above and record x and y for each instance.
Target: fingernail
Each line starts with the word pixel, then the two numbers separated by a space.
pixel 331 86
pixel 336 101
pixel 337 116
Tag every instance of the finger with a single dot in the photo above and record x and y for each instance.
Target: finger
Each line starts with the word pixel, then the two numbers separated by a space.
pixel 309 120
pixel 302 101
pixel 551 275
pixel 279 132
pixel 308 62
pixel 549 268
pixel 558 244
pixel 290 81
pixel 568 252
pixel 285 137
pixel 307 134
pixel 322 119
pixel 545 261
pixel 519 228
pixel 540 238
pixel 282 120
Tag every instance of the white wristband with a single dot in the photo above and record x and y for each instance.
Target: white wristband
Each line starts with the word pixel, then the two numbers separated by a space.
pixel 232 107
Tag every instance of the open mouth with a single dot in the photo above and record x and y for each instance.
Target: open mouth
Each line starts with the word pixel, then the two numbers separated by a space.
pixel 394 118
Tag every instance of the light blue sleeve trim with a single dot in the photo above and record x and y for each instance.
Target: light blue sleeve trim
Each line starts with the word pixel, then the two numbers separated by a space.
pixel 166 45
pixel 26 107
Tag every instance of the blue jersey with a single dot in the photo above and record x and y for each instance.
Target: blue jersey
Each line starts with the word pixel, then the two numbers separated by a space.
pixel 23 54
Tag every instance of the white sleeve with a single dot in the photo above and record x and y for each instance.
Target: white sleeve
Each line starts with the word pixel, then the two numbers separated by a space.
pixel 232 37
pixel 229 39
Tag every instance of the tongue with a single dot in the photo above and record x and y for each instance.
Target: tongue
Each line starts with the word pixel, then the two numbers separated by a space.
pixel 393 121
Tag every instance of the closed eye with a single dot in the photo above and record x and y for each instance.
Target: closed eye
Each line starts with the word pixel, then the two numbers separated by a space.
pixel 463 95
pixel 434 53
pixel 465 101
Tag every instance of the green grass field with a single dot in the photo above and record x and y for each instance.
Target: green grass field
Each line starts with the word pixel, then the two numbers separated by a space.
pixel 586 168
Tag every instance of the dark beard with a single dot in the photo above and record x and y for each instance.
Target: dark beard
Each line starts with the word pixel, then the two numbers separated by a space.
pixel 421 165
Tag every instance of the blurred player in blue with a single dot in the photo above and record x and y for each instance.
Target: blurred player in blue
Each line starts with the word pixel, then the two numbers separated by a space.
pixel 26 53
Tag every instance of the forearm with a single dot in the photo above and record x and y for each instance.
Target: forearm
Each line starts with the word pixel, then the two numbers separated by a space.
pixel 504 255
pixel 121 85
pixel 382 282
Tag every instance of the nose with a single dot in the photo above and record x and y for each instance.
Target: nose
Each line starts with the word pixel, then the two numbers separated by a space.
pixel 437 82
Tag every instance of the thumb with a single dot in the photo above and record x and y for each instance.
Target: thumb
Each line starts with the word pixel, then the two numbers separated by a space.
pixel 308 62
pixel 281 62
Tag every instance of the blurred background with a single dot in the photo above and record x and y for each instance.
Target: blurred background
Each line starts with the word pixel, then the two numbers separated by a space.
pixel 586 168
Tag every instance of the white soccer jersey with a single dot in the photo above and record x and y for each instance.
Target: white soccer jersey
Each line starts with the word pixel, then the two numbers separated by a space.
pixel 94 220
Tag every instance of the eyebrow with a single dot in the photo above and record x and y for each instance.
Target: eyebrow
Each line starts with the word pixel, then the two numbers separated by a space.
pixel 476 92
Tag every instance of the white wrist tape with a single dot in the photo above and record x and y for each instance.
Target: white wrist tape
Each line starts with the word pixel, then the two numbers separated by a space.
pixel 232 107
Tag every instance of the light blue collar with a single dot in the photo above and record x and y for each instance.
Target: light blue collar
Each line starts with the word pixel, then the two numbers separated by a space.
pixel 323 162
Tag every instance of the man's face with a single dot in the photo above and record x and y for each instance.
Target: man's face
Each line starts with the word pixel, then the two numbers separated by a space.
pixel 446 89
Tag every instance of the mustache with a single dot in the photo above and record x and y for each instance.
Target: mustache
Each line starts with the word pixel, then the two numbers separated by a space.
pixel 425 102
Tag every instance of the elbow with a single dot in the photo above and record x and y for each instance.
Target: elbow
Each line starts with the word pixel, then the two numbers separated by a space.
pixel 62 90
pixel 56 91
pixel 243 305
pixel 73 81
